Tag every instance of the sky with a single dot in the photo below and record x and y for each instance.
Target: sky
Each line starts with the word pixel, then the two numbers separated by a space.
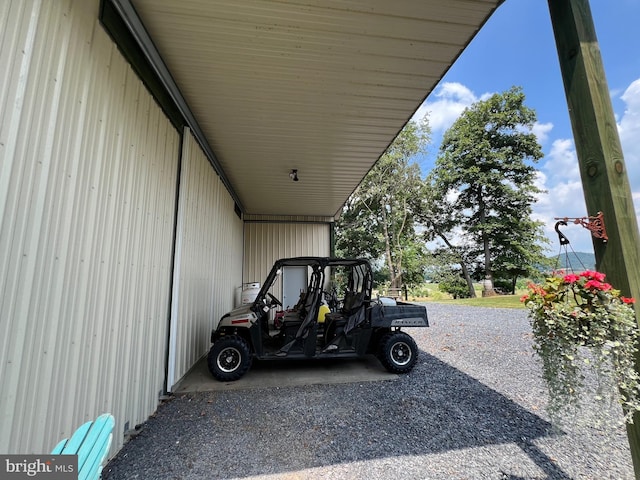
pixel 516 47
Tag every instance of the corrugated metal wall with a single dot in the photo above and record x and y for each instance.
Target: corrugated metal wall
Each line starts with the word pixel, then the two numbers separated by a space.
pixel 88 173
pixel 208 259
pixel 88 180
pixel 265 242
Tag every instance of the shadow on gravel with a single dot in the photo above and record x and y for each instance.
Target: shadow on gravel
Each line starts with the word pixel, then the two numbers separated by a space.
pixel 436 408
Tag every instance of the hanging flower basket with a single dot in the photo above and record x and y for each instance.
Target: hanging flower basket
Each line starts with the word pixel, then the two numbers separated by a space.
pixel 581 322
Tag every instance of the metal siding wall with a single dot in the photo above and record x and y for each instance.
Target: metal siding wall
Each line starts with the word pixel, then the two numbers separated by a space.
pixel 88 172
pixel 210 258
pixel 264 243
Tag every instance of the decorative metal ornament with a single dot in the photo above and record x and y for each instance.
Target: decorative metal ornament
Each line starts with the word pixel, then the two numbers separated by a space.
pixel 595 224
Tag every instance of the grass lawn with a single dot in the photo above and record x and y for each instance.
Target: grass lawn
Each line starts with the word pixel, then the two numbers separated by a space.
pixel 432 294
pixel 499 301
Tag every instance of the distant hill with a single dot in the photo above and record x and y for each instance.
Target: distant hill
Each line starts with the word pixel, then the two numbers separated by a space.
pixel 576 261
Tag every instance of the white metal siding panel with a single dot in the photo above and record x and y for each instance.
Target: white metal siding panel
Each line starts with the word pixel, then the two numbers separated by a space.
pixel 264 243
pixel 210 258
pixel 88 172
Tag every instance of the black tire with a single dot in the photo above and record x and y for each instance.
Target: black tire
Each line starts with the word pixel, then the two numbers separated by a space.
pixel 229 358
pixel 398 352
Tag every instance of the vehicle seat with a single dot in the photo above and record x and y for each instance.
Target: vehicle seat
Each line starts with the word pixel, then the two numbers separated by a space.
pixel 352 303
pixel 342 322
pixel 296 317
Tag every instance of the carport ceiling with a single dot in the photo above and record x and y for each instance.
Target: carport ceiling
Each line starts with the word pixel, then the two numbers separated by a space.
pixel 321 86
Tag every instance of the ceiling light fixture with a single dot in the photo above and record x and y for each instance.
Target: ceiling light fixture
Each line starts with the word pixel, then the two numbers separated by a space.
pixel 294 175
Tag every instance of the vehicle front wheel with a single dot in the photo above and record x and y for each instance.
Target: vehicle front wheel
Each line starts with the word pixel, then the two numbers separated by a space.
pixel 229 358
pixel 398 352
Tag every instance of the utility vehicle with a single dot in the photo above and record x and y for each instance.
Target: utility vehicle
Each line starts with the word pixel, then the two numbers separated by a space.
pixel 335 317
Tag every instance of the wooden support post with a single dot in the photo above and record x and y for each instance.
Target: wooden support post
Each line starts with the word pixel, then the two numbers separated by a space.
pixel 602 168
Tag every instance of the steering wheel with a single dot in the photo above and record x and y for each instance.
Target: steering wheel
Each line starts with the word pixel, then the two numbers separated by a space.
pixel 275 300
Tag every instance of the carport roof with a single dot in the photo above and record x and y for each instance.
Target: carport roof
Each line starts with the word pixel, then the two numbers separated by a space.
pixel 321 86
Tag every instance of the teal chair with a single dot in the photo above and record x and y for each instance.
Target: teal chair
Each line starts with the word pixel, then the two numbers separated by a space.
pixel 91 443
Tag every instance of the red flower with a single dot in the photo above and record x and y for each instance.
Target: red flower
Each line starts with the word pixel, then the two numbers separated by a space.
pixel 597 285
pixel 628 300
pixel 593 275
pixel 571 278
pixel 593 284
pixel 536 289
pixel 524 298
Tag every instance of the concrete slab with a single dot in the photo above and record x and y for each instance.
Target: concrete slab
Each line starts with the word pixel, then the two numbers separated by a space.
pixel 270 374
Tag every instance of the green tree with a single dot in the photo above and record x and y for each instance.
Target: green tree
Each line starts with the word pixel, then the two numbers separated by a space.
pixel 482 187
pixel 377 221
pixel 440 222
pixel 517 259
pixel 445 269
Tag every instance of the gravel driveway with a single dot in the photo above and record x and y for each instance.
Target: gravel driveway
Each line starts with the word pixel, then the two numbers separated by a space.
pixel 473 408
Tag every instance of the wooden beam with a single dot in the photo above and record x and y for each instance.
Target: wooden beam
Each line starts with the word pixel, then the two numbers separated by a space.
pixel 602 168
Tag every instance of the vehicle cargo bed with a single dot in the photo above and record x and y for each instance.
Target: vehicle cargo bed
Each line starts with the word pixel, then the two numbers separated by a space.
pixel 401 315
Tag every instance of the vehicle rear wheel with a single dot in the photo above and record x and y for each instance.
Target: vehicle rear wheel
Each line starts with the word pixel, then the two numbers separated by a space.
pixel 229 358
pixel 398 352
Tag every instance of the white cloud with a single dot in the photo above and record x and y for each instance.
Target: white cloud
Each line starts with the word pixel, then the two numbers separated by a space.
pixel 562 162
pixel 636 203
pixel 631 96
pixel 615 93
pixel 542 131
pixel 629 130
pixel 450 101
pixel 564 197
pixel 458 91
